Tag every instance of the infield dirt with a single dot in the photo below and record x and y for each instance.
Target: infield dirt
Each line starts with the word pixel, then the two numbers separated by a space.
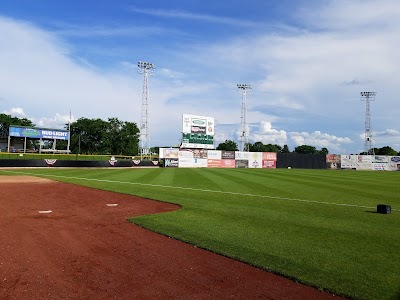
pixel 85 249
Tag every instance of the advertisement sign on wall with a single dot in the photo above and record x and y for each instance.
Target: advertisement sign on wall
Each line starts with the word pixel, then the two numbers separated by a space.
pixel 214 154
pixel 269 156
pixel 228 163
pixel 38 133
pixel 214 163
pixel 241 163
pixel 269 164
pixel 242 155
pixel 255 160
pixel 171 163
pixel 227 154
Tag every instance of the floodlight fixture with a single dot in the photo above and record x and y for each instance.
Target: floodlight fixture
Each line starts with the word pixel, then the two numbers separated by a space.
pixel 146 65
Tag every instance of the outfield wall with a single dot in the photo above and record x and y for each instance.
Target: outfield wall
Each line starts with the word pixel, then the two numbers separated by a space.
pixel 201 158
pixel 35 163
pixel 370 162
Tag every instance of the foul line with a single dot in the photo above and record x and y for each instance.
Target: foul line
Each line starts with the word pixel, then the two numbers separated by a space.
pixel 198 190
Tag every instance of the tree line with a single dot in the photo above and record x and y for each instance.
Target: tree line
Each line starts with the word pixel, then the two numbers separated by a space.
pixel 96 136
pixel 230 145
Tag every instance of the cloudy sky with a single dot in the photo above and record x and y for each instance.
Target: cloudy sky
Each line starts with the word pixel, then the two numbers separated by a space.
pixel 307 62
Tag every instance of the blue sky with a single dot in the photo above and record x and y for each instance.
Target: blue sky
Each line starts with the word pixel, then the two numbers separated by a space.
pixel 307 62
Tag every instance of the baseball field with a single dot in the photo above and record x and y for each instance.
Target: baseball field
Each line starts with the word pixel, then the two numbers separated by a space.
pixel 317 227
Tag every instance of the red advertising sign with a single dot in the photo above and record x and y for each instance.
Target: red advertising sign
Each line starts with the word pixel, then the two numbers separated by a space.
pixel 269 164
pixel 214 163
pixel 228 163
pixel 269 156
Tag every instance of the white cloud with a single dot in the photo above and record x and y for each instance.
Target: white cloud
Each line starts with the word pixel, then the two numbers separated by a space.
pixel 15 112
pixel 195 16
pixel 268 135
pixel 319 140
pixel 57 122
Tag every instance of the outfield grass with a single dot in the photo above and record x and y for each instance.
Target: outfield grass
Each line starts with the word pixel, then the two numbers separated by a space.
pixel 316 226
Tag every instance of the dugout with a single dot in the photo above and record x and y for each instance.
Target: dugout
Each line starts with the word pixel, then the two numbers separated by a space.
pixel 19 136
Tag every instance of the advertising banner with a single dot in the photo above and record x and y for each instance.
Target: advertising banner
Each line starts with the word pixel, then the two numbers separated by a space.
pixel 255 160
pixel 171 153
pixel 227 154
pixel 348 161
pixel 228 163
pixel 200 163
pixel 269 164
pixel 268 155
pixel 214 163
pixel 214 154
pixel 393 166
pixel 394 159
pixel 186 159
pixel 242 155
pixel 241 163
pixel 197 124
pixel 38 133
pixel 380 166
pixel 171 163
pixel 381 159
pixel 199 153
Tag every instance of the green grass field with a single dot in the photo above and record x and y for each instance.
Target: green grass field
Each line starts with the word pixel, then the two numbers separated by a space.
pixel 316 226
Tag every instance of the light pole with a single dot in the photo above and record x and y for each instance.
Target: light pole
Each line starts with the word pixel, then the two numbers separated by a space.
pixel 244 140
pixel 367 97
pixel 147 69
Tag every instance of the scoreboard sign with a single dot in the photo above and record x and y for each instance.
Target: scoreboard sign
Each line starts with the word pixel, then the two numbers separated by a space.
pixel 197 132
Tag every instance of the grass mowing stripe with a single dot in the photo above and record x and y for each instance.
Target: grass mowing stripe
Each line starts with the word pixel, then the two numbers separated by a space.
pixel 203 190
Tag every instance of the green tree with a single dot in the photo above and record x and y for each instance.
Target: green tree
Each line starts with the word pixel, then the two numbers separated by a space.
pixel 324 151
pixel 385 151
pixel 228 145
pixel 305 149
pixel 95 136
pixel 285 149
pixel 7 120
pixel 257 147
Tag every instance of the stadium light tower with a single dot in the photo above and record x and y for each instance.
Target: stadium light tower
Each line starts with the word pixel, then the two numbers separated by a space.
pixel 244 140
pixel 367 97
pixel 147 69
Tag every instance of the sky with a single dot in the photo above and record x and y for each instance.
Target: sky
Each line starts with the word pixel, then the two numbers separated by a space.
pixel 306 61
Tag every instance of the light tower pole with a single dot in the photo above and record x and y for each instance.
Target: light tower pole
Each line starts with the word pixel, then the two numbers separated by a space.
pixel 244 145
pixel 147 69
pixel 367 97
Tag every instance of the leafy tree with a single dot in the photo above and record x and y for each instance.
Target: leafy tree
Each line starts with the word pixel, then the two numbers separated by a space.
pixel 285 149
pixel 7 120
pixel 305 149
pixel 324 151
pixel 228 145
pixel 95 136
pixel 260 147
pixel 272 148
pixel 257 147
pixel 385 151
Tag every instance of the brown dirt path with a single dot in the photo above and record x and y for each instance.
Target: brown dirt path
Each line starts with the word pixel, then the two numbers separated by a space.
pixel 85 249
